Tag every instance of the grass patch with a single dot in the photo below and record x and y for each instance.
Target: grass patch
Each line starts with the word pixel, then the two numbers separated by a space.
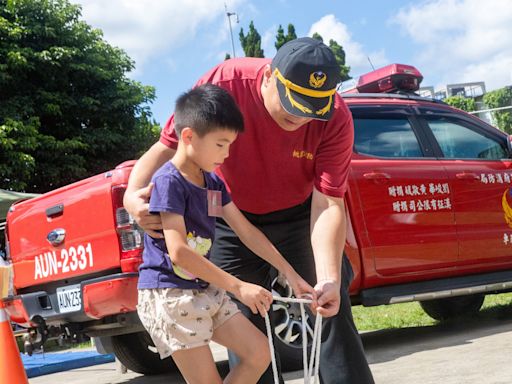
pixel 53 346
pixel 390 316
pixel 497 307
pixel 56 347
pixel 411 314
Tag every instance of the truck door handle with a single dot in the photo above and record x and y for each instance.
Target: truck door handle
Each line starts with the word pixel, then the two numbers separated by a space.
pixel 377 176
pixel 467 176
pixel 56 210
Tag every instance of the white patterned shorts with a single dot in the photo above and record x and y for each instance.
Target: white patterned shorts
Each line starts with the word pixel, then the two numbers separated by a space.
pixel 179 319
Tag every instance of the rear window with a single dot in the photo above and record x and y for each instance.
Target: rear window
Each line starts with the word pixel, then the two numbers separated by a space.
pixel 385 137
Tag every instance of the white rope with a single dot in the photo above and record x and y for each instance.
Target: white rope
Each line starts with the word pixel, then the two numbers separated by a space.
pixel 311 369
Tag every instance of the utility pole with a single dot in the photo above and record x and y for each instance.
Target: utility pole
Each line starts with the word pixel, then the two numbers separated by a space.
pixel 373 68
pixel 229 14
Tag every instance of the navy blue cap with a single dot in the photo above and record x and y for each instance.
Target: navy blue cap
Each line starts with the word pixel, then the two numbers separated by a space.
pixel 307 75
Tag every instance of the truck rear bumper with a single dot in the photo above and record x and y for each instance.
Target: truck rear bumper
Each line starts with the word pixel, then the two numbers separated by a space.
pixel 99 297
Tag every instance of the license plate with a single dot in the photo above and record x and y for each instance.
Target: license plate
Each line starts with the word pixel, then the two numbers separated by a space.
pixel 70 298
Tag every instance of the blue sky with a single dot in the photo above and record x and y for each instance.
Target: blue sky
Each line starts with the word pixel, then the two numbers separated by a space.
pixel 173 42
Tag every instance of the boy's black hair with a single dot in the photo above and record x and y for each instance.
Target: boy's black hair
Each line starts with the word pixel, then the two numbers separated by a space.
pixel 205 109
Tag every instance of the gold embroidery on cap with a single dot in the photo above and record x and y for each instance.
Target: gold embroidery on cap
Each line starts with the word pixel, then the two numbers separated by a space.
pixel 296 104
pixel 307 92
pixel 317 79
pixel 303 91
pixel 325 109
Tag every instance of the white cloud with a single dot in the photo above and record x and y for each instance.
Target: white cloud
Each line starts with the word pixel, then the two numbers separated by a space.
pixel 146 29
pixel 465 40
pixel 268 40
pixel 356 57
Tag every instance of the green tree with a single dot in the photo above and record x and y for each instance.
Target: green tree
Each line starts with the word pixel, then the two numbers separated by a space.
pixel 501 98
pixel 281 38
pixel 317 36
pixel 340 58
pixel 251 43
pixel 339 52
pixel 67 109
pixel 465 103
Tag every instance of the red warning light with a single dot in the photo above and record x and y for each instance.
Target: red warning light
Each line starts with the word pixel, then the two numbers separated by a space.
pixel 388 79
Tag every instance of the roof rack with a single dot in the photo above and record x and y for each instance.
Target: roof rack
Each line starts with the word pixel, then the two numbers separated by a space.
pixel 401 95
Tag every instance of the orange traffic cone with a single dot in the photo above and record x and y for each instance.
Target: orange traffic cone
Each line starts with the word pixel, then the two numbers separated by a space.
pixel 11 367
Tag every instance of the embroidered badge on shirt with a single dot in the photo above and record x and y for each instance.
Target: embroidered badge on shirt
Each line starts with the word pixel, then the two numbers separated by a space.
pixel 214 203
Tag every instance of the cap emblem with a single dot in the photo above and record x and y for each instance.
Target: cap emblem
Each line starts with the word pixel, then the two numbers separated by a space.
pixel 289 86
pixel 317 79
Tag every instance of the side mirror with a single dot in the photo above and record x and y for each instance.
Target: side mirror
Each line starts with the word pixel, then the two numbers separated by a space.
pixel 509 146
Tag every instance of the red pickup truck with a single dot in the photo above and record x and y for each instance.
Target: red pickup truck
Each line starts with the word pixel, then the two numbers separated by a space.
pixel 430 220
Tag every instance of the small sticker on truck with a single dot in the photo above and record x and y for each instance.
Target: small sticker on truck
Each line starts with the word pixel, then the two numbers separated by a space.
pixel 66 260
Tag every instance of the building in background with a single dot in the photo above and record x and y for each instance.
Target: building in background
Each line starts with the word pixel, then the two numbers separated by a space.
pixel 475 90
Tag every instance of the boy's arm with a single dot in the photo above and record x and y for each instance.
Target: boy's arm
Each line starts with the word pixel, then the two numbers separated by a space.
pixel 255 297
pixel 257 242
pixel 138 192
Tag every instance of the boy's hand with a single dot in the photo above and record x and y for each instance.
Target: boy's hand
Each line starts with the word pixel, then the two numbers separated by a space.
pixel 137 205
pixel 257 298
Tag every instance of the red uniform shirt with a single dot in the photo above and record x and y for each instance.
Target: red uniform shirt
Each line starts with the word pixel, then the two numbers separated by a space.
pixel 268 168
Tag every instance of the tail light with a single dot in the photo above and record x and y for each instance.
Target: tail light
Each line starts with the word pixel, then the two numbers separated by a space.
pixel 130 235
pixel 6 235
pixel 6 269
pixel 18 313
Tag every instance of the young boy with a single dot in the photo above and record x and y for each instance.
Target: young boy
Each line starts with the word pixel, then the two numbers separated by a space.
pixel 182 295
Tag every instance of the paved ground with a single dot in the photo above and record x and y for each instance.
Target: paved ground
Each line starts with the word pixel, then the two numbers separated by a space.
pixel 458 354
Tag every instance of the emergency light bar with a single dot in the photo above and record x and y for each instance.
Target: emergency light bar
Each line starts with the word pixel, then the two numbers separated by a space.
pixel 391 78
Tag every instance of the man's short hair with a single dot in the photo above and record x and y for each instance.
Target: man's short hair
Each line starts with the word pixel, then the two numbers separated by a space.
pixel 205 109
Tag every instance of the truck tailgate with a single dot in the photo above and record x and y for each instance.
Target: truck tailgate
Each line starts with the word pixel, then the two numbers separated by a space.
pixel 64 233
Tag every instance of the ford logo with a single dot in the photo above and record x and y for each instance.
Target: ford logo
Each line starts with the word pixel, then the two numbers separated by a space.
pixel 56 236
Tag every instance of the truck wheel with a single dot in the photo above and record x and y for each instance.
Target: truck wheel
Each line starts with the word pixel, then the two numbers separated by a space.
pixel 452 307
pixel 134 353
pixel 288 328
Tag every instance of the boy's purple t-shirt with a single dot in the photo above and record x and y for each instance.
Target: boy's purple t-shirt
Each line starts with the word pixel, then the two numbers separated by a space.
pixel 173 193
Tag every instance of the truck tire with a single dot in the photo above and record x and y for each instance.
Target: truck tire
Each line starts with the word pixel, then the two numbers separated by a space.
pixel 132 350
pixel 288 328
pixel 452 307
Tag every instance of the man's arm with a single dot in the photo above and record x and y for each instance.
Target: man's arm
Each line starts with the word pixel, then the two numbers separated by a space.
pixel 328 234
pixel 138 192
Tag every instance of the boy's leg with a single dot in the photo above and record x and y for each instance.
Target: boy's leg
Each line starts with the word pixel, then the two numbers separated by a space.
pixel 197 365
pixel 249 344
pixel 231 255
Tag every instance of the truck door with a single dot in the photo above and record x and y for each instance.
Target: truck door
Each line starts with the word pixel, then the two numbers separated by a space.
pixel 476 158
pixel 404 194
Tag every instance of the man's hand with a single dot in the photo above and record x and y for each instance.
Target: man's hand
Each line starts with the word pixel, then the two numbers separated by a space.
pixel 137 205
pixel 329 300
pixel 300 287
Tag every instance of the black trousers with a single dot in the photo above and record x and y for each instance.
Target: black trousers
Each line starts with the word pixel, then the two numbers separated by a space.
pixel 342 355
